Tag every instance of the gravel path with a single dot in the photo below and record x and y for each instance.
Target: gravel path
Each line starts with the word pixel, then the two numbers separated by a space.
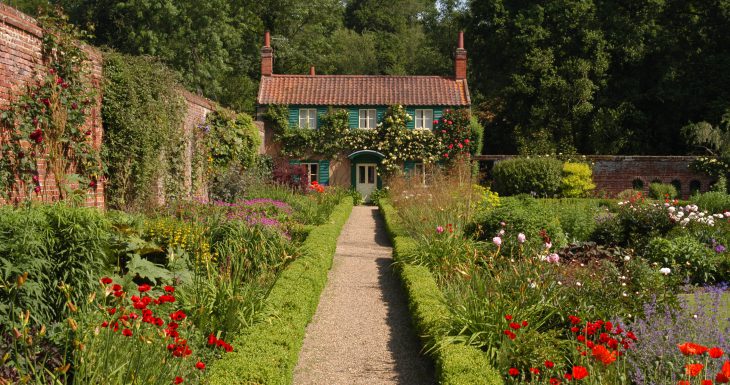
pixel 361 332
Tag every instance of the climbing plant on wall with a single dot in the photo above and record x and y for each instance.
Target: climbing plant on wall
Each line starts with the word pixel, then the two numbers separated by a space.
pixel 454 133
pixel 46 122
pixel 142 113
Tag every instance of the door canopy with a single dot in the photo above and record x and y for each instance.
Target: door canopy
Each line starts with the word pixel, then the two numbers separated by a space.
pixel 366 153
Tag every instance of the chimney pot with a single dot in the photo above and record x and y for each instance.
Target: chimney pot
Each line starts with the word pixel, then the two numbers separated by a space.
pixel 460 59
pixel 267 39
pixel 267 56
pixel 311 71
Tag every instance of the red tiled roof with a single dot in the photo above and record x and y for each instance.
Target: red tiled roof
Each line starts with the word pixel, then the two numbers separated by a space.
pixel 342 90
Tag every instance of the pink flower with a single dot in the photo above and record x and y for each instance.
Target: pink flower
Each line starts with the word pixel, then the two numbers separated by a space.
pixel 553 258
pixel 439 229
pixel 521 238
pixel 548 245
pixel 497 241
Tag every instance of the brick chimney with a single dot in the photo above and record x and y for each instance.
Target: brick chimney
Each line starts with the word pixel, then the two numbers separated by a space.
pixel 267 56
pixel 312 71
pixel 460 62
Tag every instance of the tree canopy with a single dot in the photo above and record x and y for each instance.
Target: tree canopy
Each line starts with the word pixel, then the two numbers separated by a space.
pixel 587 76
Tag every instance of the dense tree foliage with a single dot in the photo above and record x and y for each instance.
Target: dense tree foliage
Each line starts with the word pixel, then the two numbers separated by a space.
pixel 588 76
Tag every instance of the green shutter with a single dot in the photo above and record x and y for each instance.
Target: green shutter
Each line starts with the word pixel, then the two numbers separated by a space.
pixel 438 112
pixel 379 113
pixel 353 117
pixel 293 116
pixel 324 172
pixel 321 111
pixel 412 112
pixel 408 166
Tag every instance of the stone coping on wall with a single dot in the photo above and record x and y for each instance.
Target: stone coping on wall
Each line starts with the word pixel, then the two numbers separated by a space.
pixel 646 158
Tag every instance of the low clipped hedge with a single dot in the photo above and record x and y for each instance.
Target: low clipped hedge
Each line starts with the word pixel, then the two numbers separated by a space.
pixel 267 352
pixel 455 364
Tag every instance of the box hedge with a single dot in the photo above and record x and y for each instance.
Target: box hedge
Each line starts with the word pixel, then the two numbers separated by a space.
pixel 455 364
pixel 267 352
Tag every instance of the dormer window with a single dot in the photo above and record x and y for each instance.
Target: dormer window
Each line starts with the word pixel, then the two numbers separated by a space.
pixel 424 119
pixel 367 119
pixel 308 118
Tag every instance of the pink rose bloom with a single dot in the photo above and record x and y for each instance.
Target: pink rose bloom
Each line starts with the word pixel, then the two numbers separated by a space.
pixel 553 258
pixel 439 229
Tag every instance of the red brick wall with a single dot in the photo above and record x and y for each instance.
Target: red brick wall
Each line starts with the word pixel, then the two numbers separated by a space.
pixel 613 174
pixel 20 64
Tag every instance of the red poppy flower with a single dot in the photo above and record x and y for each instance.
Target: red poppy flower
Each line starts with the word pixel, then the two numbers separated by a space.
pixel 691 349
pixel 514 372
pixel 178 315
pixel 199 365
pixel 534 370
pixel 508 317
pixel 117 287
pixel 104 324
pixel 112 310
pixel 724 376
pixel 524 324
pixel 514 325
pixel 127 333
pixel 693 369
pixel 178 380
pixel 211 339
pixel 574 320
pixel 706 382
pixel 106 280
pixel 509 334
pixel 716 352
pixel 683 382
pixel 580 372
pixel 169 289
pixel 144 288
pixel 554 381
pixel 549 364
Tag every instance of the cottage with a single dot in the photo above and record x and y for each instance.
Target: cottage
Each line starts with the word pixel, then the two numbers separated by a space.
pixel 366 98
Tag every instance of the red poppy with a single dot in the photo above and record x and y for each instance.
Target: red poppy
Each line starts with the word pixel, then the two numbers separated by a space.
pixel 127 333
pixel 554 381
pixel 509 334
pixel 549 364
pixel 117 287
pixel 693 369
pixel 514 372
pixel 178 380
pixel 178 315
pixel 691 349
pixel 706 382
pixel 106 280
pixel 144 288
pixel 716 352
pixel 508 317
pixel 199 365
pixel 574 320
pixel 104 324
pixel 580 372
pixel 534 370
pixel 724 376
pixel 524 323
pixel 211 339
pixel 683 382
pixel 169 289
pixel 514 325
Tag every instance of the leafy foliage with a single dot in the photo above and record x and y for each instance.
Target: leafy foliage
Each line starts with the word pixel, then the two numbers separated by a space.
pixel 142 113
pixel 540 176
pixel 662 191
pixel 47 122
pixel 577 180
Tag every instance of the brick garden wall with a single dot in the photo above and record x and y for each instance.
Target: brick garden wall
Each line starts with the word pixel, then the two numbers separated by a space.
pixel 20 64
pixel 613 174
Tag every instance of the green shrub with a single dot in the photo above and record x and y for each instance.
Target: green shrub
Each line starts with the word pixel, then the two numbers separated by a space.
pixel 54 244
pixel 633 225
pixel 713 202
pixel 577 217
pixel 521 214
pixel 687 257
pixel 662 191
pixel 577 180
pixel 540 176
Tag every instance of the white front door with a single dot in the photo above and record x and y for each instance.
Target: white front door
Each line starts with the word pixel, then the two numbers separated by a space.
pixel 367 176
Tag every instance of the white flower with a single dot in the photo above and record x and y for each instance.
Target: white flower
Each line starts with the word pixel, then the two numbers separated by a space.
pixel 548 245
pixel 671 209
pixel 521 238
pixel 665 270
pixel 627 258
pixel 578 284
pixel 497 241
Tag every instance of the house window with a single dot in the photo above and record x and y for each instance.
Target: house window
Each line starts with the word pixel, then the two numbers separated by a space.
pixel 312 171
pixel 424 119
pixel 367 119
pixel 307 118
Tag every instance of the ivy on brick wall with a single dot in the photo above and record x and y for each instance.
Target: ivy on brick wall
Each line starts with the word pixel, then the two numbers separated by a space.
pixel 454 134
pixel 47 122
pixel 142 112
